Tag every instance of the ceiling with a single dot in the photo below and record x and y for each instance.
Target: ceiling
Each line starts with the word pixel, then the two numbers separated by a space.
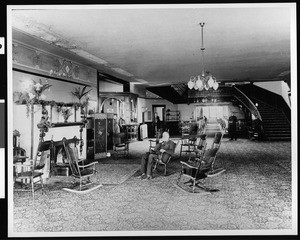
pixel 160 45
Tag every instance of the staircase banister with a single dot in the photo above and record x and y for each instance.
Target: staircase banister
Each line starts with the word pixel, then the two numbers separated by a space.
pixel 253 107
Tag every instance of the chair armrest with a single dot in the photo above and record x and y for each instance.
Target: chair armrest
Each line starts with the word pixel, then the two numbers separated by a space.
pixel 161 155
pixel 80 160
pixel 188 165
pixel 87 165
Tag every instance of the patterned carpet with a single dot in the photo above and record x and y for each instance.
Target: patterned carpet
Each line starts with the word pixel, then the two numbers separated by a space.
pixel 255 194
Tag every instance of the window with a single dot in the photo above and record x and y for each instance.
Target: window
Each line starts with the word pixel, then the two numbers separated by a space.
pixel 211 112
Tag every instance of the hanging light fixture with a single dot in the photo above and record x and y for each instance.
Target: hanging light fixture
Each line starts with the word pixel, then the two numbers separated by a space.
pixel 205 80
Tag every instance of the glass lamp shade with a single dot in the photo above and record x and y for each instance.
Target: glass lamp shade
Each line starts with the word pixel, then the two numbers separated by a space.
pixel 201 88
pixel 199 83
pixel 191 84
pixel 196 87
pixel 206 87
pixel 210 82
pixel 216 86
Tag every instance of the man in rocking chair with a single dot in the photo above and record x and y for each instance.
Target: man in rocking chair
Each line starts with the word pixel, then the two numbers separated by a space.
pixel 164 145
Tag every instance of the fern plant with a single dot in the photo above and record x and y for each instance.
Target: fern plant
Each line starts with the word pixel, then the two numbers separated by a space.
pixel 80 92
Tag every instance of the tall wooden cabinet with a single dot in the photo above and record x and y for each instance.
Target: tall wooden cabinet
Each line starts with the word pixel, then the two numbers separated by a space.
pixel 96 144
pixel 90 138
pixel 110 131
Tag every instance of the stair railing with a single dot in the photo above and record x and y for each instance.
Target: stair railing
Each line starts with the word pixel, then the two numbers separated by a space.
pixel 237 93
pixel 255 131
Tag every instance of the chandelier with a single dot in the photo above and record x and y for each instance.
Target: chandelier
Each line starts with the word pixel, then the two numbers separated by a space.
pixel 205 80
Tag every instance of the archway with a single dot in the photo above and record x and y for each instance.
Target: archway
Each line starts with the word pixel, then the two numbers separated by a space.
pixel 120 106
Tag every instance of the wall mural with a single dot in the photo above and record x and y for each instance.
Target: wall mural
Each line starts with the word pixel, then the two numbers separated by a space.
pixel 52 65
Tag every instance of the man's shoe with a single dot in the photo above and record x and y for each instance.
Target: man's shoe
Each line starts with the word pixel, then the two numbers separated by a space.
pixel 143 176
pixel 149 177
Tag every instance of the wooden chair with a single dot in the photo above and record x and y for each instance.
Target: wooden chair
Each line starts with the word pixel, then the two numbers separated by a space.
pixel 79 171
pixel 121 145
pixel 187 144
pixel 197 172
pixel 164 159
pixel 29 172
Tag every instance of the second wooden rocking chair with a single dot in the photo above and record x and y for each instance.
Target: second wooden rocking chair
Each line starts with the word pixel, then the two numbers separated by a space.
pixel 79 171
pixel 197 172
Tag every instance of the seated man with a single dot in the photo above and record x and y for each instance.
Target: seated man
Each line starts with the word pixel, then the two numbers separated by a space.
pixel 164 145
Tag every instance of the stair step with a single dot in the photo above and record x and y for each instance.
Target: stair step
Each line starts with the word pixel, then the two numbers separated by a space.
pixel 275 125
pixel 270 121
pixel 277 131
pixel 271 114
pixel 278 135
pixel 276 122
pixel 279 139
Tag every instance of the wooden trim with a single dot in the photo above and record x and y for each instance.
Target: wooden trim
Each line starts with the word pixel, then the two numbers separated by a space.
pixel 68 124
pixel 114 94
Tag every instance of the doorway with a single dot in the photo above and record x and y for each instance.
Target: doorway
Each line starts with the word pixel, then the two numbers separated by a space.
pixel 160 110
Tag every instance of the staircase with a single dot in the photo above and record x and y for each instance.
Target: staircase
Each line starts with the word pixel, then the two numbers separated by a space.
pixel 275 124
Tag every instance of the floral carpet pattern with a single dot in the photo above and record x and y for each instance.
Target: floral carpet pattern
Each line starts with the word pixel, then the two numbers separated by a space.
pixel 255 194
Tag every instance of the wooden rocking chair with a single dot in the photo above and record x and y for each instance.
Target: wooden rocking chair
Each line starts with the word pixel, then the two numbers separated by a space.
pixel 198 171
pixel 79 171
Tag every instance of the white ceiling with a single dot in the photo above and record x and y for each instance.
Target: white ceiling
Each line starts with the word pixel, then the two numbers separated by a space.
pixel 161 45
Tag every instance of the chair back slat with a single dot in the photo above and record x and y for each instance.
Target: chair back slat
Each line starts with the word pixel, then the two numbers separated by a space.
pixel 177 144
pixel 43 154
pixel 72 156
pixel 218 137
pixel 173 150
pixel 209 157
pixel 210 153
pixel 217 140
pixel 202 142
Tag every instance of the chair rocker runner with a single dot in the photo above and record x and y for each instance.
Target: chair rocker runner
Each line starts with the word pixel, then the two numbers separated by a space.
pixel 197 172
pixel 79 171
pixel 33 170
